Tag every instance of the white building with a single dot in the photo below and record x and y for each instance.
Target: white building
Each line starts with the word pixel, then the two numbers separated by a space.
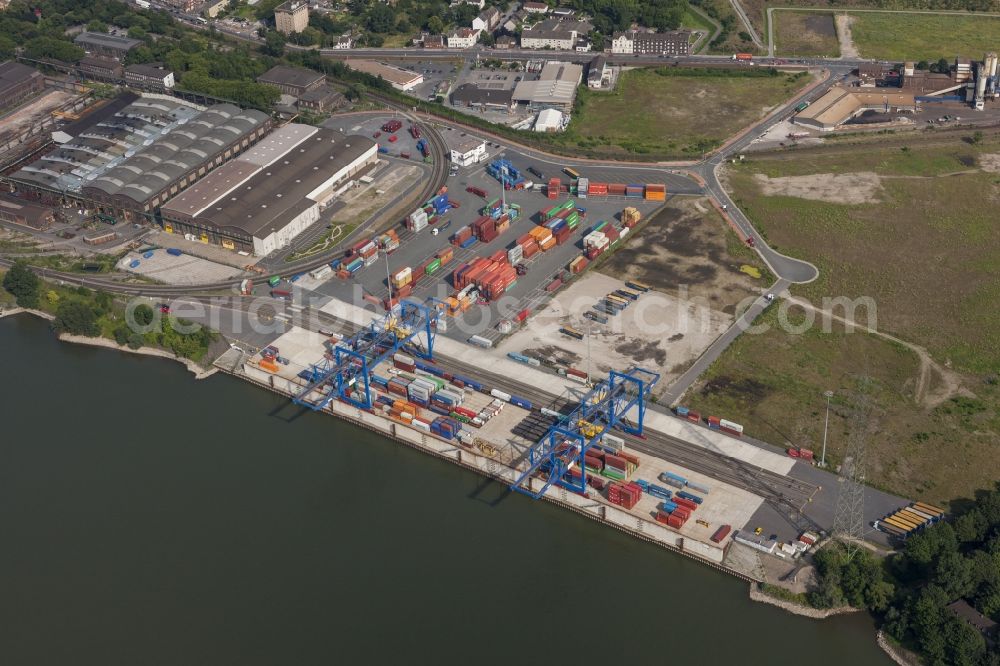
pixel 535 7
pixel 476 3
pixel 468 151
pixel 463 38
pixel 344 42
pixel 622 44
pixel 549 120
pixel 488 20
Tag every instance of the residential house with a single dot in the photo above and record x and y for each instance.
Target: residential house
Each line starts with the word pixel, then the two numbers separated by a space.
pixel 598 73
pixel 463 38
pixel 673 42
pixel 488 20
pixel 535 7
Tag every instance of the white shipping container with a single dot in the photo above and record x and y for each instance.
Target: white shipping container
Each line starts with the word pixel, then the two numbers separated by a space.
pixel 500 395
pixel 480 341
pixel 723 423
pixel 402 358
pixel 426 427
pixel 321 272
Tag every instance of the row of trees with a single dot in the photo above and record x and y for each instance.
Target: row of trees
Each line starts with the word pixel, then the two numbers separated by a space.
pixel 611 15
pixel 910 592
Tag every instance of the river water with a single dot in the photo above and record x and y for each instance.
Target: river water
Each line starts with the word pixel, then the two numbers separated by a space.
pixel 148 518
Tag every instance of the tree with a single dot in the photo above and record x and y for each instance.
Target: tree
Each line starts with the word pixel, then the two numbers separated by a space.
pixel 49 47
pixel 435 25
pixel 7 46
pixel 97 25
pixel 143 315
pixel 137 32
pixel 274 43
pixel 23 284
pixel 923 65
pixel 76 317
pixel 977 137
pixel 381 18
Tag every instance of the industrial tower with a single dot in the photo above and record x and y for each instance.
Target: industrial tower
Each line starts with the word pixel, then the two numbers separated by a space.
pixel 849 519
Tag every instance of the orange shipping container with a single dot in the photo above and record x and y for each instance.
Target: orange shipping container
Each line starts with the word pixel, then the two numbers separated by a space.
pixel 269 366
pixel 548 244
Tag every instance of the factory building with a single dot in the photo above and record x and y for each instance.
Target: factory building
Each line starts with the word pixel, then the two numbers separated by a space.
pixel 555 88
pixel 294 81
pixel 125 164
pixel 18 82
pixel 465 151
pixel 109 46
pixel 25 213
pixel 263 199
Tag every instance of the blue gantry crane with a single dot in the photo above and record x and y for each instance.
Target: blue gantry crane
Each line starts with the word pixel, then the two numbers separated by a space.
pixel 608 405
pixel 345 370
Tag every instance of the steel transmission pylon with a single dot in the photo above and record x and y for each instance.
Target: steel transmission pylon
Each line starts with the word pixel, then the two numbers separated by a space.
pixel 849 519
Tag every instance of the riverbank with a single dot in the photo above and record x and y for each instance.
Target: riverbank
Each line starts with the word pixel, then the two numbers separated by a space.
pixel 756 594
pixel 195 369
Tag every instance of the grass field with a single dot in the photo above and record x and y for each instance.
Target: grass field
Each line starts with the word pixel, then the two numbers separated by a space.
pixel 923 36
pixel 925 248
pixel 672 116
pixel 805 34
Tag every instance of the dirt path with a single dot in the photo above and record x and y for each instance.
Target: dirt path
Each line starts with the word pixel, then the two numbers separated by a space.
pixel 928 393
pixel 847 48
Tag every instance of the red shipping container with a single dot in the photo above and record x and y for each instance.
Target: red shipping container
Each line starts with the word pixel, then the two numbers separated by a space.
pixel 499 257
pixel 592 253
pixel 714 420
pixel 675 522
pixel 685 503
pixel 563 235
pixel 530 249
pixel 525 239
pixel 576 373
pixel 611 233
pixel 721 533
pixel 694 416
pixel 522 315
pixel 629 457
pixel 555 284
pixel 616 189
pixel 806 454
pixel 662 517
pixel 404 291
pixel 681 513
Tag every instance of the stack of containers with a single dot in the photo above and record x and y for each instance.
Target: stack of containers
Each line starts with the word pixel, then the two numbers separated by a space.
pixel 578 265
pixel 462 235
pixel 634 191
pixel 594 461
pixel 615 467
pixel 402 278
pixel 419 391
pixel 529 246
pixel 445 255
pixel 630 217
pixel 615 189
pixel 597 190
pixel 417 221
pixel 398 385
pixel 543 237
pixel 553 188
pixel 612 234
pixel 402 410
pixel 445 427
pixel 485 229
pixel 515 255
pixel 582 185
pixel 355 265
pixel 656 192
pixel 403 362
pixel 389 241
pixel 624 494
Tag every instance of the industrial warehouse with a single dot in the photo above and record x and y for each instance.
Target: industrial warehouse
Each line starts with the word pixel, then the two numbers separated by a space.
pixel 129 162
pixel 260 201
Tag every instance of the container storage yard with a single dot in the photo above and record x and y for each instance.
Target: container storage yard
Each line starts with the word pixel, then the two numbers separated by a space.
pixel 412 398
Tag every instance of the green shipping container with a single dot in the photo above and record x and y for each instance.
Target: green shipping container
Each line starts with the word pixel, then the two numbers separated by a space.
pixel 601 226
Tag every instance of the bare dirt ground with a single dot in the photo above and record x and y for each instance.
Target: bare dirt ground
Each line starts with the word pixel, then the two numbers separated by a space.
pixel 660 332
pixel 990 162
pixel 847 48
pixel 688 251
pixel 18 120
pixel 845 188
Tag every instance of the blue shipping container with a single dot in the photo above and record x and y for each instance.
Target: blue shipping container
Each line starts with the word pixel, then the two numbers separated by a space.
pixel 469 243
pixel 173 251
pixel 682 411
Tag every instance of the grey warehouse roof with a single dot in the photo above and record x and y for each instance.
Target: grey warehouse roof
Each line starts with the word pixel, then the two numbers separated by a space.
pixel 290 76
pixel 104 139
pixel 144 174
pixel 279 192
pixel 106 41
